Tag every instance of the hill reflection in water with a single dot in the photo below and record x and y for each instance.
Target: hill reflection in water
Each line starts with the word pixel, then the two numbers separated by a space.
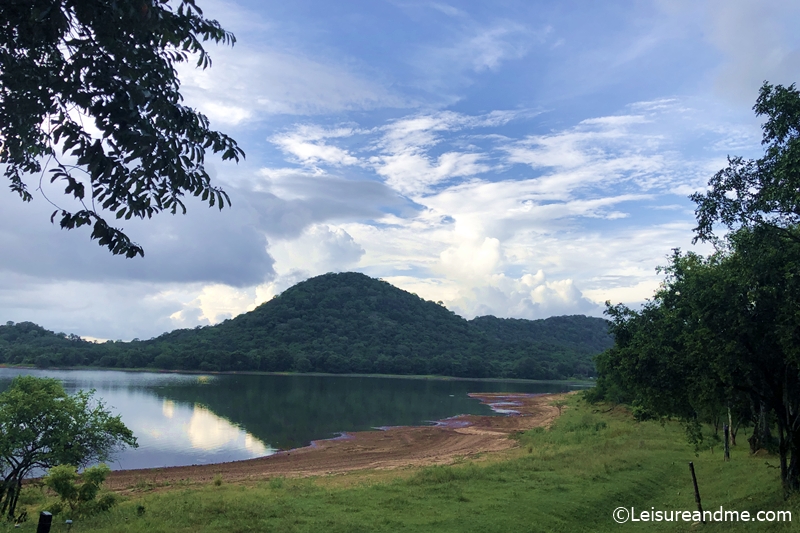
pixel 182 419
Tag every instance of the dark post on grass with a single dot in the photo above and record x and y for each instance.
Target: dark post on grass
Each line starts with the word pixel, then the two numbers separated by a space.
pixel 696 492
pixel 726 430
pixel 45 521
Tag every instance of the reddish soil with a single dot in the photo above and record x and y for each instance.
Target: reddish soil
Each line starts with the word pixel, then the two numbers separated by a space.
pixel 385 449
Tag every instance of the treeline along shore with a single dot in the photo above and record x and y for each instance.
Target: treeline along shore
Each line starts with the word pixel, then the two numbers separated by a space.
pixel 339 323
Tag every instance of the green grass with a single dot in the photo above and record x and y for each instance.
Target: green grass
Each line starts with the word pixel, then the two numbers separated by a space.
pixel 569 478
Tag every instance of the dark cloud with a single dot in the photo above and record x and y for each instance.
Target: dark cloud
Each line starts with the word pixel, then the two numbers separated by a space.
pixel 110 310
pixel 309 199
pixel 205 245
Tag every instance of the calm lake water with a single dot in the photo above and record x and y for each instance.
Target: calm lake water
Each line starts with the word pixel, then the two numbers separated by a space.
pixel 186 419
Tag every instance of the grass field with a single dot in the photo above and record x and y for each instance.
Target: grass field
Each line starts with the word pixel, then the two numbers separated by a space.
pixel 568 478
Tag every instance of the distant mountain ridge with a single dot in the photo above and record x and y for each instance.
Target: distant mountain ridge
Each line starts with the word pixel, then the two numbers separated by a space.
pixel 340 323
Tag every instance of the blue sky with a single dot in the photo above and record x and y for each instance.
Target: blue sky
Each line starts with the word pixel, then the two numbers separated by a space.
pixel 517 158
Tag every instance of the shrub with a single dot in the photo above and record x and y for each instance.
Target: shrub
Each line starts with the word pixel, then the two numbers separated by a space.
pixel 81 498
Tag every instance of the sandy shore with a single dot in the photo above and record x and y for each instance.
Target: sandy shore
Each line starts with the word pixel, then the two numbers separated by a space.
pixel 386 449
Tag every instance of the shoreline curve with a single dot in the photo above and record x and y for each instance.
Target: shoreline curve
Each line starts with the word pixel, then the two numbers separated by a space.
pixel 386 448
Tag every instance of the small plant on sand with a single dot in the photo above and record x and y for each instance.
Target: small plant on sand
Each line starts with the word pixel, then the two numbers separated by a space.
pixel 559 404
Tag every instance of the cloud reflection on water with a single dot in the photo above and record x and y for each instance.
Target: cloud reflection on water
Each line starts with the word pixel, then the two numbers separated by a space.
pixel 168 408
pixel 175 433
pixel 207 431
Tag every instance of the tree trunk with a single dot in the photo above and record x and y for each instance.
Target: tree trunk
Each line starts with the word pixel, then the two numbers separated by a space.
pixel 783 453
pixel 11 487
pixel 792 482
pixel 7 508
pixel 733 427
pixel 791 476
pixel 2 495
pixel 762 436
pixel 5 495
pixel 15 494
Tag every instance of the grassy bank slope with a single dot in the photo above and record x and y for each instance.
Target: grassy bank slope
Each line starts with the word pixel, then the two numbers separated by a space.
pixel 569 478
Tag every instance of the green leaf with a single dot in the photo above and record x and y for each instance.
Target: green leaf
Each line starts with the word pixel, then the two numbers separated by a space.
pixel 148 141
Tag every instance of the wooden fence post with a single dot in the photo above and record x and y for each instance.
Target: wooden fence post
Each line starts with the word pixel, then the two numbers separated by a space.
pixel 45 521
pixel 696 492
pixel 726 430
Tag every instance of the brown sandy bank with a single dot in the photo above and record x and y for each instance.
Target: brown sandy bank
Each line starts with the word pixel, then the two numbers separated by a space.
pixel 391 448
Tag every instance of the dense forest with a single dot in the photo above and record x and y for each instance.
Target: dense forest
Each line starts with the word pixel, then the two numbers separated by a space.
pixel 339 323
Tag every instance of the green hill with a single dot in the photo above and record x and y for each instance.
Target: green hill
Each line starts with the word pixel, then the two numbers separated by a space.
pixel 340 323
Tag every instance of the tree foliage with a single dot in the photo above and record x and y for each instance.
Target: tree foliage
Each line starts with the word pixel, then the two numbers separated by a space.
pixel 764 192
pixel 723 332
pixel 41 427
pixel 90 96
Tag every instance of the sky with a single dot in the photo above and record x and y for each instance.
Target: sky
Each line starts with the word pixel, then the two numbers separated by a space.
pixel 523 159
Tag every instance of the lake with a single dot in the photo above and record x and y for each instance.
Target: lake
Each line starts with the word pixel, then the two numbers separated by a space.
pixel 186 419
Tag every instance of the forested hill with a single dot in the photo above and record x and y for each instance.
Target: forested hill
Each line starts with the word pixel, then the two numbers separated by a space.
pixel 340 323
pixel 578 333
